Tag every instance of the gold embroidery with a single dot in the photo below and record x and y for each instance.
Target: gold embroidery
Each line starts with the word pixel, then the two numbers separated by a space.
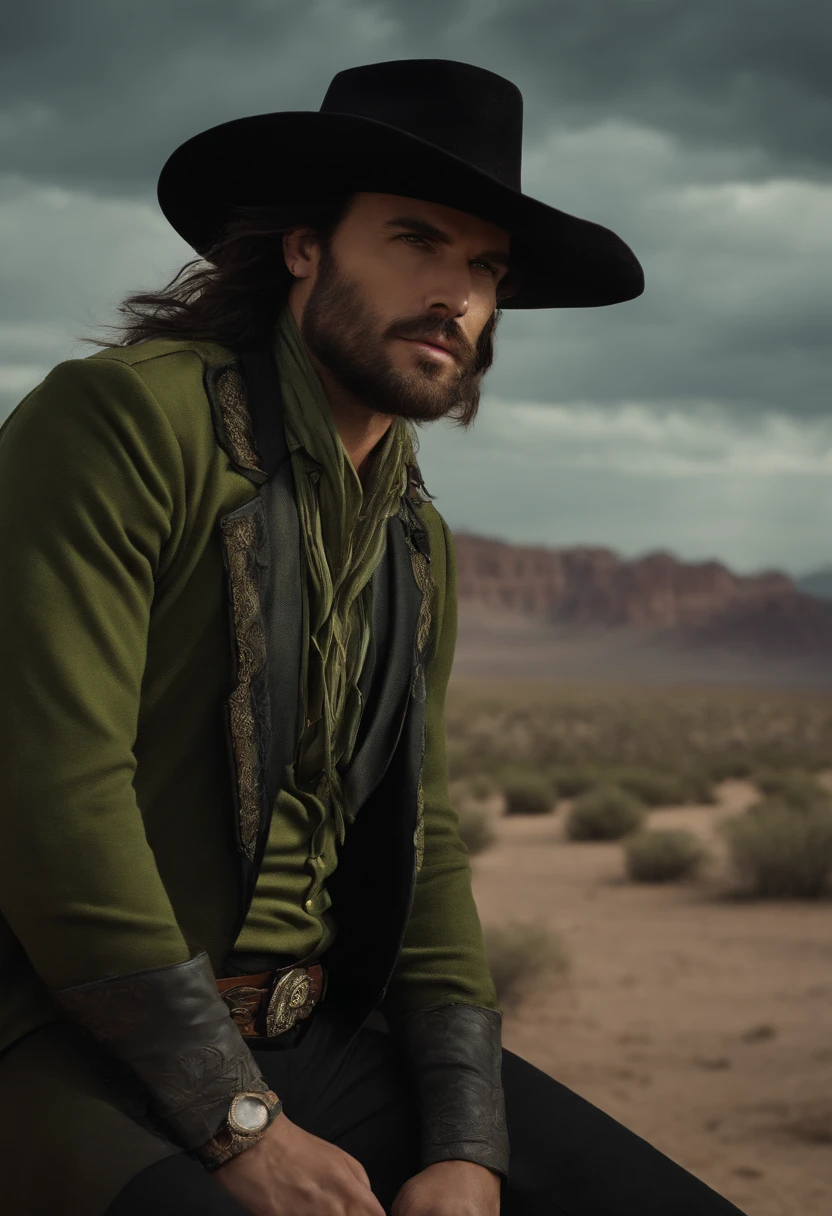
pixel 240 538
pixel 425 583
pixel 231 393
pixel 419 835
pixel 421 572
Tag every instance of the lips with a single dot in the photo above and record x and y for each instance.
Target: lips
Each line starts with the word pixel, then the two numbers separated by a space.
pixel 436 345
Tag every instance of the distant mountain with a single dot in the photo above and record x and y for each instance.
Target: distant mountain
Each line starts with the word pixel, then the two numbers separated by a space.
pixel 655 609
pixel 819 583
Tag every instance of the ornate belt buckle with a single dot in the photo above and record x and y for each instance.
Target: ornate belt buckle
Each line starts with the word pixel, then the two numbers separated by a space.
pixel 291 1001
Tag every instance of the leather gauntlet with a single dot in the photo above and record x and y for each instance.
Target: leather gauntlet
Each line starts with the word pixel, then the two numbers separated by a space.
pixel 455 1054
pixel 172 1028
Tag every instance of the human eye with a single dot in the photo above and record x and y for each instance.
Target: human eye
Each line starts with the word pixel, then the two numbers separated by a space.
pixel 414 236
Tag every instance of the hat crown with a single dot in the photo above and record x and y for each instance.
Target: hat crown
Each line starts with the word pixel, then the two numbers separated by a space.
pixel 465 110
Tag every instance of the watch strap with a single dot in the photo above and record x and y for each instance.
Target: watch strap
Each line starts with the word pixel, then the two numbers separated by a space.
pixel 233 1138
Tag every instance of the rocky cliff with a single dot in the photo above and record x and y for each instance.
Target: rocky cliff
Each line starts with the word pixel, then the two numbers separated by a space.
pixel 701 602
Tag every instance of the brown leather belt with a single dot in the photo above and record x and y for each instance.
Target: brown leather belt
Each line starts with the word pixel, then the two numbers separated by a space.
pixel 272 1002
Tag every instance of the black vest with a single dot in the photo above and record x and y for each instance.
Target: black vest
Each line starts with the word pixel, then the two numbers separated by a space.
pixel 372 888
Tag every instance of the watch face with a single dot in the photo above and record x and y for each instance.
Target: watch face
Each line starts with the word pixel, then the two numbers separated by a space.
pixel 249 1113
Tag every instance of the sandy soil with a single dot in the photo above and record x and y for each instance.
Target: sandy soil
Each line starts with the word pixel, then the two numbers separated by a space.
pixel 703 1023
pixel 493 645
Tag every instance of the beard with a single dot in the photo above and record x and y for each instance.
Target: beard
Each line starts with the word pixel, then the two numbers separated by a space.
pixel 343 333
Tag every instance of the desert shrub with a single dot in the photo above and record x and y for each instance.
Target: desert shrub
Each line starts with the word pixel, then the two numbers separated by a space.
pixel 570 780
pixel 662 855
pixel 652 786
pixel 605 813
pixel 795 788
pixel 460 762
pixel 528 795
pixel 481 786
pixel 819 801
pixel 665 787
pixel 475 830
pixel 519 954
pixel 700 786
pixel 728 766
pixel 778 853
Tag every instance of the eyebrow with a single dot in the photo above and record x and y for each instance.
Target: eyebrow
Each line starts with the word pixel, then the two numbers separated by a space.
pixel 426 229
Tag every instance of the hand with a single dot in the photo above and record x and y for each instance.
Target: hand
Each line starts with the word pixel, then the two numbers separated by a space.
pixel 290 1172
pixel 450 1188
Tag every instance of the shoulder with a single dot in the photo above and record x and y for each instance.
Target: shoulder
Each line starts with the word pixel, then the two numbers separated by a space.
pixel 165 368
pixel 155 387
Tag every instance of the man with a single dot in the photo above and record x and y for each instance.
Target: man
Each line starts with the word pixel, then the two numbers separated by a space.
pixel 242 969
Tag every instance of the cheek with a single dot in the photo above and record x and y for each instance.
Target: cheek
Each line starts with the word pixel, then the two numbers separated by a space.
pixel 483 320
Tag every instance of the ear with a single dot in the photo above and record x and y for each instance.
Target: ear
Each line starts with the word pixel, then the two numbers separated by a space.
pixel 300 252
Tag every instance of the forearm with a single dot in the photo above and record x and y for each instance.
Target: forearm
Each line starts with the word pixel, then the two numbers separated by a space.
pixel 455 1055
pixel 172 1028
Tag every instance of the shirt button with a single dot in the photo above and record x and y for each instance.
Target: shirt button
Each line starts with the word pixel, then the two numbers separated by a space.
pixel 308 905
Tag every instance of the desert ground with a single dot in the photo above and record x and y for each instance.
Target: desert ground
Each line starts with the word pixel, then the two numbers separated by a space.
pixel 700 1020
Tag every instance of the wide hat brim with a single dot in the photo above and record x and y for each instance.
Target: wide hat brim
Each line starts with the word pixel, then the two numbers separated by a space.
pixel 563 261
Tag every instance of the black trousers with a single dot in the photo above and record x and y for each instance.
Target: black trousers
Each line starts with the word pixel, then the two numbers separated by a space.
pixel 567 1157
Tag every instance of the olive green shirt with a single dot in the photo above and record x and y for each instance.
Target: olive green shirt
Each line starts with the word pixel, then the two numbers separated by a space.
pixel 343 525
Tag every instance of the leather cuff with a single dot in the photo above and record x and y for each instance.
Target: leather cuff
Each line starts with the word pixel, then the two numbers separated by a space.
pixel 172 1028
pixel 455 1054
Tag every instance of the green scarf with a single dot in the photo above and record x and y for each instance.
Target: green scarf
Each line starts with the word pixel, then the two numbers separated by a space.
pixel 343 528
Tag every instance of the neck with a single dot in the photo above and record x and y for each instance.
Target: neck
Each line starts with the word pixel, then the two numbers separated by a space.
pixel 360 428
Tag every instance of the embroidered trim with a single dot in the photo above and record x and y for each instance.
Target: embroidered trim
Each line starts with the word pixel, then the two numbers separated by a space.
pixel 226 390
pixel 421 572
pixel 419 834
pixel 240 540
pixel 425 583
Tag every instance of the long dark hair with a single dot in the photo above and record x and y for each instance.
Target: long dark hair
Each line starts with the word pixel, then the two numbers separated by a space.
pixel 233 296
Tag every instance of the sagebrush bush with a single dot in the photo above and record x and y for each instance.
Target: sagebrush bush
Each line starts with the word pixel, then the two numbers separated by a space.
pixel 664 788
pixel 777 802
pixel 519 955
pixel 795 788
pixel 481 786
pixel 570 780
pixel 718 732
pixel 780 852
pixel 701 786
pixel 605 813
pixel 662 855
pixel 475 829
pixel 727 766
pixel 528 795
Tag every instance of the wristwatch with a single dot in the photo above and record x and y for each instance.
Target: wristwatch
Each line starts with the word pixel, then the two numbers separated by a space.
pixel 250 1114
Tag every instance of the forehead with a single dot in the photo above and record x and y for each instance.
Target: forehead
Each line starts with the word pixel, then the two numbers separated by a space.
pixel 374 209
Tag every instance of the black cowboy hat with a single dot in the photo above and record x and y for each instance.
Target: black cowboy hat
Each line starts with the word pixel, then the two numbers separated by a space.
pixel 432 129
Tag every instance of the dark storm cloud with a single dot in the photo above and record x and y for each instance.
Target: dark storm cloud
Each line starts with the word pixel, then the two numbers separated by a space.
pixel 96 92
pixel 734 72
pixel 694 417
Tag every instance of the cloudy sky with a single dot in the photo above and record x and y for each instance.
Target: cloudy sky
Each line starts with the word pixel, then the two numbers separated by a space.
pixel 694 419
